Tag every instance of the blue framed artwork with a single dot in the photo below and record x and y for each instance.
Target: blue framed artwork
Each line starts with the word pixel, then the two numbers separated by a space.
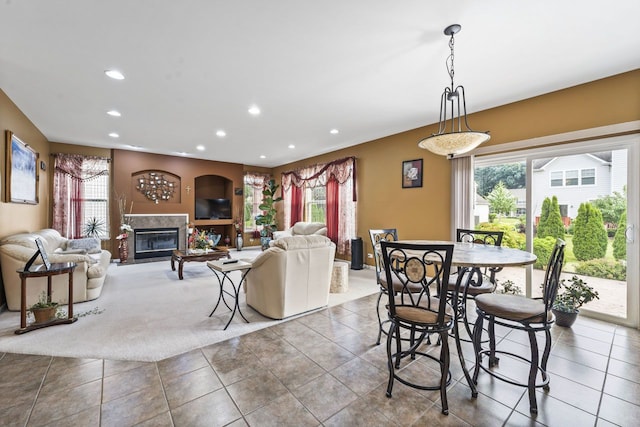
pixel 21 171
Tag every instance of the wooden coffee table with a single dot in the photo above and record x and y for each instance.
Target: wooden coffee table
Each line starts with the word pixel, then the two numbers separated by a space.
pixel 211 255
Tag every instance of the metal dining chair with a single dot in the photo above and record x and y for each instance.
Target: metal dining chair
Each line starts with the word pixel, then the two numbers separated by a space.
pixel 412 266
pixel 475 281
pixel 378 235
pixel 530 315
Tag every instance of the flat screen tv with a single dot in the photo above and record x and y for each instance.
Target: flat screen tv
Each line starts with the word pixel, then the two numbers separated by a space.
pixel 213 209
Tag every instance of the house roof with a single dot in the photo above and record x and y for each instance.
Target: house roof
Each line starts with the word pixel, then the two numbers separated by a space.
pixel 367 68
pixel 603 156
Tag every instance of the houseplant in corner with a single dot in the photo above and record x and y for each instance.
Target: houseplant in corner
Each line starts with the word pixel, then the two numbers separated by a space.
pixel 268 217
pixel 44 310
pixel 570 298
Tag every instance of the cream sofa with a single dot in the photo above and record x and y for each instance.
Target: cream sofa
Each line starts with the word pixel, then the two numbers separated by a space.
pixel 88 277
pixel 302 229
pixel 291 277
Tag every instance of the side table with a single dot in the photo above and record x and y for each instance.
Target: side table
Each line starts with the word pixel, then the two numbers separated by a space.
pixel 226 267
pixel 41 271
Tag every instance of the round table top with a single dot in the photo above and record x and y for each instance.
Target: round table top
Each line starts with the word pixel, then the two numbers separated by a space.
pixel 480 255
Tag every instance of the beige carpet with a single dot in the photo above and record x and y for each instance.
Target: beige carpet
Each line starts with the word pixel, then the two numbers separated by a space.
pixel 149 315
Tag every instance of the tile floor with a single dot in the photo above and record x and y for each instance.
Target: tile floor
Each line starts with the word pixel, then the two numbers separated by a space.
pixel 321 369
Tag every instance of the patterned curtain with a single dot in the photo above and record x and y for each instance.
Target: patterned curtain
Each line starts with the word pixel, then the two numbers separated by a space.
pixel 70 172
pixel 343 171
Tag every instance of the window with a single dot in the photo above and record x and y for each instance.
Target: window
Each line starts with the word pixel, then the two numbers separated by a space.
pixel 571 178
pixel 588 176
pixel 556 179
pixel 253 184
pixel 315 204
pixel 96 201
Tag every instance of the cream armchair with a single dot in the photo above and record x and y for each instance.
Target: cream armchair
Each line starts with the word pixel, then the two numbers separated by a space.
pixel 302 229
pixel 291 277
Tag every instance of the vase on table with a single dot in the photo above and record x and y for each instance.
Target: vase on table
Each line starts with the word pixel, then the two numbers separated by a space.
pixel 227 240
pixel 123 250
pixel 239 242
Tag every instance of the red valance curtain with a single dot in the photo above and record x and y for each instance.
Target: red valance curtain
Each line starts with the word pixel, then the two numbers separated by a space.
pixel 70 173
pixel 339 179
pixel 333 207
pixel 297 204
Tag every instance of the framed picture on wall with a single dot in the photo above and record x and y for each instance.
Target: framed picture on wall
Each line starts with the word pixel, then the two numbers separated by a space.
pixel 412 173
pixel 21 171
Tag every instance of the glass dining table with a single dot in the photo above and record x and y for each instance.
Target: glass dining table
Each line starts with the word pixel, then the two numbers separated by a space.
pixel 470 256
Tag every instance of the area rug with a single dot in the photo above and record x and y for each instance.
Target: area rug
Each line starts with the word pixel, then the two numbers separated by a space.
pixel 146 314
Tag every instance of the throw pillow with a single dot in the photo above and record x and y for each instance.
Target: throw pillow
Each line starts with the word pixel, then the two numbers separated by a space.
pixel 88 244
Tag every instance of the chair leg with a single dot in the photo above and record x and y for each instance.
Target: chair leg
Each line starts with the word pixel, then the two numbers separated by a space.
pixel 545 356
pixel 379 318
pixel 392 331
pixel 477 346
pixel 445 362
pixel 493 360
pixel 533 372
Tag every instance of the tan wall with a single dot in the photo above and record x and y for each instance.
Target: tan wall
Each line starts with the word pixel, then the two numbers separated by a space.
pixel 17 217
pixel 425 212
pixel 128 163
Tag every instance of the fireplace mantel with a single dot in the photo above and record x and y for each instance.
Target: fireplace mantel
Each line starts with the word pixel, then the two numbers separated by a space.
pixel 178 221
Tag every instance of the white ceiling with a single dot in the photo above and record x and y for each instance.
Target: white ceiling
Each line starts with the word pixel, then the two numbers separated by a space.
pixel 369 68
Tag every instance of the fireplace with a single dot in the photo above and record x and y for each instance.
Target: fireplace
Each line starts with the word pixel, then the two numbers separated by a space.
pixel 154 242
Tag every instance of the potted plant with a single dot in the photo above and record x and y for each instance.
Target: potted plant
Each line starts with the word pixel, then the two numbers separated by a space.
pixel 94 227
pixel 571 297
pixel 268 217
pixel 44 310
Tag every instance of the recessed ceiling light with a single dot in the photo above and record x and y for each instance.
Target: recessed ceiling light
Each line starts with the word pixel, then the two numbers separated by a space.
pixel 114 113
pixel 114 135
pixel 334 131
pixel 292 146
pixel 200 148
pixel 263 156
pixel 220 133
pixel 254 110
pixel 114 74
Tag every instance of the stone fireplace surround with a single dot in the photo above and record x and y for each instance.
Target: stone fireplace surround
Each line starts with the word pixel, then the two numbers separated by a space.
pixel 179 221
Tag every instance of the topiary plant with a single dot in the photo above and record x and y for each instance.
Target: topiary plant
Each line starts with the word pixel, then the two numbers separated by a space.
pixel 620 239
pixel 589 237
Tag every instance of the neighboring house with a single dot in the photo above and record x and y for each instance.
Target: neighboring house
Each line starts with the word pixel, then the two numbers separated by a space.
pixel 577 179
pixel 480 210
pixel 572 179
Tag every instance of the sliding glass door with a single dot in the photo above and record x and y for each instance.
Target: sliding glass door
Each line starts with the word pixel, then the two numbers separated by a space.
pixel 585 193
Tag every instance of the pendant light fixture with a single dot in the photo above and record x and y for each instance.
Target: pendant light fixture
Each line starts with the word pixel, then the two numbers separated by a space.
pixel 454 134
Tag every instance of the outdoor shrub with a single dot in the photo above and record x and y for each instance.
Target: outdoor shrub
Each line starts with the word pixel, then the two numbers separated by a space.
pixel 542 248
pixel 550 220
pixel 544 215
pixel 510 239
pixel 590 237
pixel 603 269
pixel 492 217
pixel 620 239
pixel 571 228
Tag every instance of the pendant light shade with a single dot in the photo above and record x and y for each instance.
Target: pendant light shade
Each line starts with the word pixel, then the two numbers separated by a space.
pixel 454 135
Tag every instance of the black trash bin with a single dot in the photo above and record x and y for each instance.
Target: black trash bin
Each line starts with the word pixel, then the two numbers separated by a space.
pixel 356 254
